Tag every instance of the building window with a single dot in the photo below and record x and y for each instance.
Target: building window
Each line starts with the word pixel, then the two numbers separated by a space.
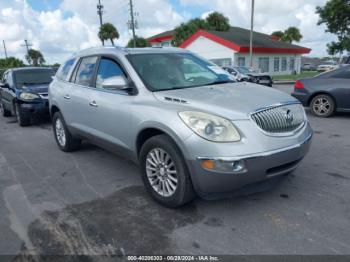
pixel 166 44
pixel 222 61
pixel 264 64
pixel 291 64
pixel 241 61
pixel 276 64
pixel 284 64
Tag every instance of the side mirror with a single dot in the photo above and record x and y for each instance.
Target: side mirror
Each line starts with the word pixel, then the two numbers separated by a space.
pixel 115 83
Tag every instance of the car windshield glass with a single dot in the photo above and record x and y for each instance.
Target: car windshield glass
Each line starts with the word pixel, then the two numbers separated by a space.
pixel 165 71
pixel 33 77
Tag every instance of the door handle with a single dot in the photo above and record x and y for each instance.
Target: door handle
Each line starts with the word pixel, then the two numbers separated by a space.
pixel 93 103
pixel 67 96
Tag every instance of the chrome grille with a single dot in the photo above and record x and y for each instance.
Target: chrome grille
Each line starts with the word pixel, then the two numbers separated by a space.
pixel 280 119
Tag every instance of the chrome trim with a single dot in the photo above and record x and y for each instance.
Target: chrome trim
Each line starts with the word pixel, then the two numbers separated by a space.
pixel 44 95
pixel 258 121
pixel 262 154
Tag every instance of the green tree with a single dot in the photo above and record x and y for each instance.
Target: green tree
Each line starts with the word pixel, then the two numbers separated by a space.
pixel 35 57
pixel 140 42
pixel 185 30
pixel 336 16
pixel 289 35
pixel 292 34
pixel 278 34
pixel 218 21
pixel 108 32
pixel 11 62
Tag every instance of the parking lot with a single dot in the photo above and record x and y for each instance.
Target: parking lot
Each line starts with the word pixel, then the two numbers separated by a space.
pixel 93 202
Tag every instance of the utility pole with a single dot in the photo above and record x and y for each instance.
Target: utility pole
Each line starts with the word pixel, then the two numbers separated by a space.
pixel 251 35
pixel 3 42
pixel 132 22
pixel 100 12
pixel 27 45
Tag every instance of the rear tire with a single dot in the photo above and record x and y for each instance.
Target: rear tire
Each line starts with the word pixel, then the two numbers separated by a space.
pixel 64 139
pixel 322 106
pixel 21 119
pixel 165 173
pixel 4 112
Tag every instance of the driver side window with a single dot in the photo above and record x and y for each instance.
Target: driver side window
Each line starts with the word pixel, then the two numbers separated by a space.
pixel 108 68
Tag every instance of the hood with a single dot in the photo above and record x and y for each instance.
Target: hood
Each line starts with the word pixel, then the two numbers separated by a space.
pixel 36 89
pixel 233 100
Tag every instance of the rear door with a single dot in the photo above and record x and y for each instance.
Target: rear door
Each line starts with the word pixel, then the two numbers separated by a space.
pixel 77 95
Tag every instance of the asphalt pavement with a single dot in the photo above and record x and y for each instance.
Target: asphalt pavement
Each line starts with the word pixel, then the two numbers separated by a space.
pixel 93 202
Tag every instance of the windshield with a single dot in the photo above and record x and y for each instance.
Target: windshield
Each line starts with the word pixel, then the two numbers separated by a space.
pixel 33 77
pixel 165 71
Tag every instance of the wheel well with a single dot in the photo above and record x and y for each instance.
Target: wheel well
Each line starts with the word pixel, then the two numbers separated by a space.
pixel 53 110
pixel 322 93
pixel 144 135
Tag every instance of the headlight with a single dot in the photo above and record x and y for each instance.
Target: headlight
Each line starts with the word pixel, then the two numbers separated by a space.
pixel 210 127
pixel 28 96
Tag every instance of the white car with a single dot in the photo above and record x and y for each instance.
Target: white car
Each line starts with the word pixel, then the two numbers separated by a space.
pixel 327 67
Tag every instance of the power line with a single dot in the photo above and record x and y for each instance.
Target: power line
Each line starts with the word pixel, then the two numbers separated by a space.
pixel 100 12
pixel 3 42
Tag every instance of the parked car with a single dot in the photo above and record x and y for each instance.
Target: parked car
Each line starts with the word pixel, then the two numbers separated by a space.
pixel 251 75
pixel 24 93
pixel 203 134
pixel 327 66
pixel 236 74
pixel 326 93
pixel 308 67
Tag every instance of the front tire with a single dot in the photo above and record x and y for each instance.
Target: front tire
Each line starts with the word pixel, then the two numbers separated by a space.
pixel 164 172
pixel 21 119
pixel 322 106
pixel 64 139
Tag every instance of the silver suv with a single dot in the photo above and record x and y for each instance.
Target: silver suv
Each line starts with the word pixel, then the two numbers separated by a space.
pixel 192 129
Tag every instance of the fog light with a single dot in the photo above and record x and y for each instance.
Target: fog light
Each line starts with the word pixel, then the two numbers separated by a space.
pixel 224 165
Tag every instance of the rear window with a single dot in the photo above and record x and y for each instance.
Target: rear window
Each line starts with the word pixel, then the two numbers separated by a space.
pixel 65 69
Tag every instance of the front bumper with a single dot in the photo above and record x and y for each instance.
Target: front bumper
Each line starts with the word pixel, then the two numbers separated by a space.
pixel 35 109
pixel 258 167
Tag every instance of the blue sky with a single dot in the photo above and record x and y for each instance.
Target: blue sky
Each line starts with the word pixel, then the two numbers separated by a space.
pixel 60 27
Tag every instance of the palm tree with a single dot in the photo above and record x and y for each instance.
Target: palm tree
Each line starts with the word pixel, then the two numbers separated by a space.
pixel 35 57
pixel 292 34
pixel 108 32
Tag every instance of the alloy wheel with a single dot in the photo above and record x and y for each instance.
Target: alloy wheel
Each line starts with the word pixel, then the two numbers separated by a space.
pixel 321 106
pixel 161 172
pixel 60 133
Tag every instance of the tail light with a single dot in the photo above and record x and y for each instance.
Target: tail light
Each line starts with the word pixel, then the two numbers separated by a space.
pixel 298 85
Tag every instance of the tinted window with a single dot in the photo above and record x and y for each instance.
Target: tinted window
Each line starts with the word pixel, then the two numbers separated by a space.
pixel 345 73
pixel 107 69
pixel 64 69
pixel 33 77
pixel 85 71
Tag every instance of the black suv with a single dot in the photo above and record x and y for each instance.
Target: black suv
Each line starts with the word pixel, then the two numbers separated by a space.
pixel 24 93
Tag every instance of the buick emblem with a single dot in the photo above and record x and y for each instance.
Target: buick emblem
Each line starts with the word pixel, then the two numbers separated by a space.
pixel 288 116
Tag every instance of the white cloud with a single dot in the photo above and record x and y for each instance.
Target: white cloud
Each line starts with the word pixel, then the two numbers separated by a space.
pixel 74 26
